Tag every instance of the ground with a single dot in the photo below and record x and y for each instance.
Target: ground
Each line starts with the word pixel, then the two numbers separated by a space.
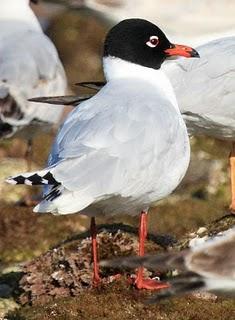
pixel 25 236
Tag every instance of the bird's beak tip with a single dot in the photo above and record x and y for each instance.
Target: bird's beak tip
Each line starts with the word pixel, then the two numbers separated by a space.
pixel 181 50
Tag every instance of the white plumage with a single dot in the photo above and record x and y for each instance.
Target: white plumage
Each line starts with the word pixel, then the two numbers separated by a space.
pixel 122 150
pixel 29 67
pixel 205 89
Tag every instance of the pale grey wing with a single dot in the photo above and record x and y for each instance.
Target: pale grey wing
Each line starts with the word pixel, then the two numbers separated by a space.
pixel 98 145
pixel 206 86
pixel 30 66
pixel 216 258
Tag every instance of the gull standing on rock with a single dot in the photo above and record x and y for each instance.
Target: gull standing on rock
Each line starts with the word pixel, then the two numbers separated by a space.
pixel 125 148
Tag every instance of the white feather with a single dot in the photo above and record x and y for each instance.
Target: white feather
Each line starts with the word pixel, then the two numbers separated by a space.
pixel 122 150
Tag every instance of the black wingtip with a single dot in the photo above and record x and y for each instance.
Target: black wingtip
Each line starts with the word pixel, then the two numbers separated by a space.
pixel 62 100
pixel 94 85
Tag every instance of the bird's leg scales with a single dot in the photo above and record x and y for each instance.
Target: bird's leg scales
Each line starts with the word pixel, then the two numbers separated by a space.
pixel 96 277
pixel 140 282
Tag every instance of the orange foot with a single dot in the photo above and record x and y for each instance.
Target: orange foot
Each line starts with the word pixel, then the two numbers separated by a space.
pixel 151 284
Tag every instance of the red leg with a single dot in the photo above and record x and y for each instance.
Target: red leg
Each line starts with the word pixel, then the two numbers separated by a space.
pixel 232 175
pixel 96 277
pixel 140 282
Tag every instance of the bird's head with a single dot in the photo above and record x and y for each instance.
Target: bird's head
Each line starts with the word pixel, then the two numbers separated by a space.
pixel 142 42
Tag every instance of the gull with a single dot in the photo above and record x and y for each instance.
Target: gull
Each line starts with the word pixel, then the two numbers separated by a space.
pixel 125 148
pixel 207 267
pixel 29 66
pixel 205 91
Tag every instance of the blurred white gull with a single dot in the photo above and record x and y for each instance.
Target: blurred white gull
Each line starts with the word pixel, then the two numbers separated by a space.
pixel 125 148
pixel 29 66
pixel 188 21
pixel 205 91
pixel 207 267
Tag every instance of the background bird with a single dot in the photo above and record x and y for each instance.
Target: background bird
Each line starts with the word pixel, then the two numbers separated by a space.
pixel 205 91
pixel 29 66
pixel 116 153
pixel 208 267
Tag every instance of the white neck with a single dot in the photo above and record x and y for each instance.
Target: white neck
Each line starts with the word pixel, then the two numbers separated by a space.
pixel 18 11
pixel 116 68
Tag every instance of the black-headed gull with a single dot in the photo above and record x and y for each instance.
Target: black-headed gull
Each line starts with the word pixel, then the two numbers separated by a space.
pixel 209 266
pixel 126 147
pixel 205 91
pixel 29 66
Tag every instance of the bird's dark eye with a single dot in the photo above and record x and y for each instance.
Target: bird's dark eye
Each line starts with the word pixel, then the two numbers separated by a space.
pixel 153 41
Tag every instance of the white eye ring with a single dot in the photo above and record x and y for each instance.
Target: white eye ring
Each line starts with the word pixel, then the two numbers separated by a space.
pixel 153 41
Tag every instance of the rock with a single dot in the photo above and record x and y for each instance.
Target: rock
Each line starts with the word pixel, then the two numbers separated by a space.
pixel 211 230
pixel 201 230
pixel 208 296
pixel 7 305
pixel 67 269
pixel 5 290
